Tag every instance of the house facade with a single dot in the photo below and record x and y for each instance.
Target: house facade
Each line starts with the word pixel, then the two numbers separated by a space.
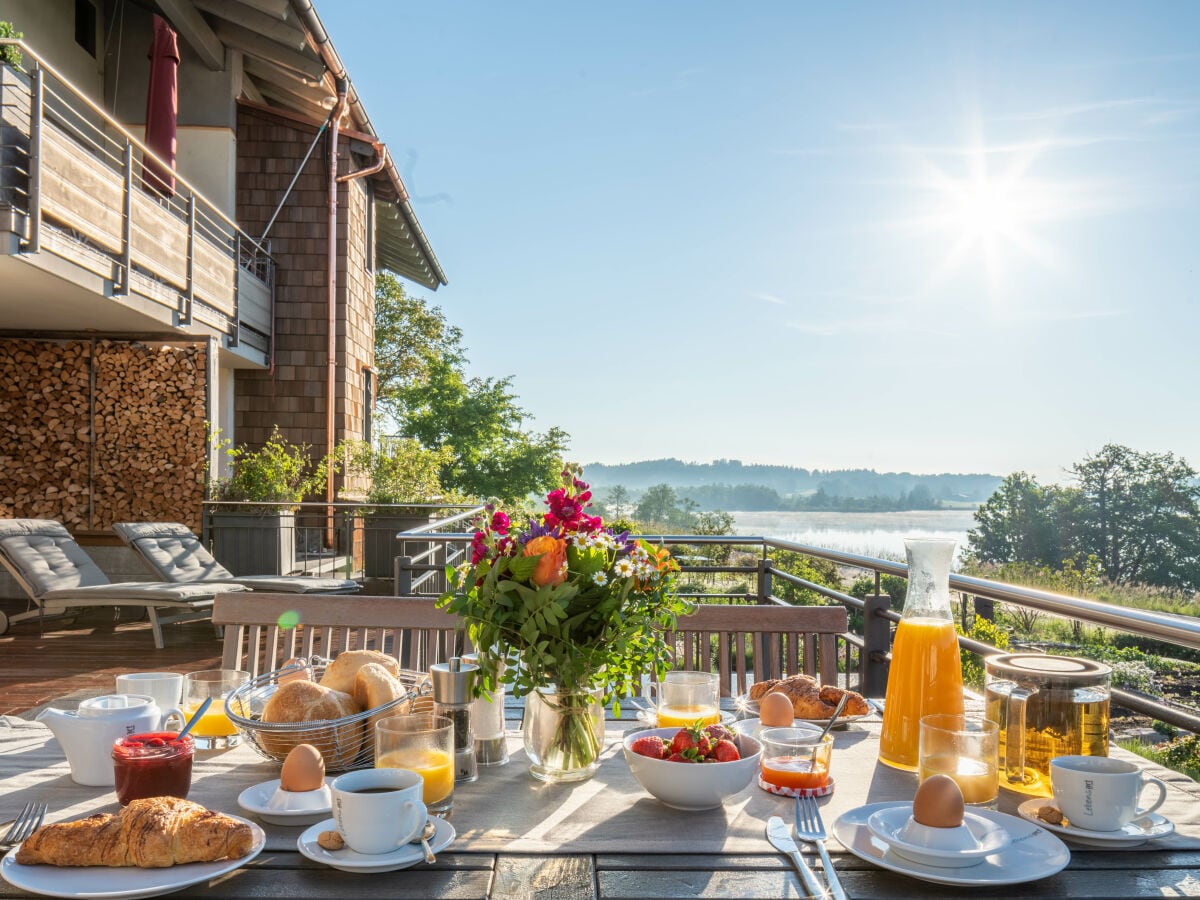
pixel 134 316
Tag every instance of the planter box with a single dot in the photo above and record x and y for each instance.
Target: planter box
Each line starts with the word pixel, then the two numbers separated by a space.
pixel 380 547
pixel 253 543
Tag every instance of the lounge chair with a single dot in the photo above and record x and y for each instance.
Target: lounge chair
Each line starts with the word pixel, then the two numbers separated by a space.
pixel 59 576
pixel 176 555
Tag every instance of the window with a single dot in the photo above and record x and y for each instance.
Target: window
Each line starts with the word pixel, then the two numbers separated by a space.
pixel 368 404
pixel 85 26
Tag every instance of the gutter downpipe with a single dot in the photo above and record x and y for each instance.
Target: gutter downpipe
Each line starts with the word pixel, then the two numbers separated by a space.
pixel 331 376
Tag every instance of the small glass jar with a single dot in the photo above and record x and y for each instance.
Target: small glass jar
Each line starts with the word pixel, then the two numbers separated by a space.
pixel 155 764
pixel 796 758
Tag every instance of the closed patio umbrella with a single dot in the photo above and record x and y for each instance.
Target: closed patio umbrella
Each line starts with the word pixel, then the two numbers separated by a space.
pixel 162 108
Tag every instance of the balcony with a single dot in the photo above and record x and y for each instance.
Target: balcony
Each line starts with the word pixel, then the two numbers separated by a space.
pixel 73 204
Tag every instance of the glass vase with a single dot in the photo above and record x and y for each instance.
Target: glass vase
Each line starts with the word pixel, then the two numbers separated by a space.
pixel 564 733
pixel 925 675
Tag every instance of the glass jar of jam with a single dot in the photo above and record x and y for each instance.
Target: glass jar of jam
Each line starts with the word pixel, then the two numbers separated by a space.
pixel 156 764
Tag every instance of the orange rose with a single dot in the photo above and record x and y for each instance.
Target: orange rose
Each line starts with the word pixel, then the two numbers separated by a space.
pixel 552 567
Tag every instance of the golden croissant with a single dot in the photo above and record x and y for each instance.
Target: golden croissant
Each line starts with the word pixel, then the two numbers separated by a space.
pixel 152 833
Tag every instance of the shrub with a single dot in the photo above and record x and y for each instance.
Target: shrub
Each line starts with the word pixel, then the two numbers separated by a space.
pixel 279 473
pixel 988 633
pixel 10 56
pixel 400 470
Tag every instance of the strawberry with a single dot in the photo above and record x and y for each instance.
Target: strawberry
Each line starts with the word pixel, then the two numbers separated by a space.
pixel 685 739
pixel 704 744
pixel 679 757
pixel 718 732
pixel 651 745
pixel 725 751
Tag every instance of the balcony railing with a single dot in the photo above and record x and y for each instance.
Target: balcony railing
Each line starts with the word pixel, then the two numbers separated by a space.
pixel 76 176
pixel 864 656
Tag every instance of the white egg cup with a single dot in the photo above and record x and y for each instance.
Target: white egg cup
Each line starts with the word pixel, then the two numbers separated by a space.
pixel 951 848
pixel 300 801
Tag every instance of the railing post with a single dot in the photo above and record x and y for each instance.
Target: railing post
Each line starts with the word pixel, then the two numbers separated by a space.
pixel 765 585
pixel 127 228
pixel 37 115
pixel 404 576
pixel 877 639
pixel 189 294
pixel 985 608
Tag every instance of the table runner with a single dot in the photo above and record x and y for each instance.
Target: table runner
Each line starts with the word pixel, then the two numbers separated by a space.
pixel 507 810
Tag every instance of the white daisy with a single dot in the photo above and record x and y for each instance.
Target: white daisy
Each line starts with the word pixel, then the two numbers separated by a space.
pixel 600 579
pixel 623 567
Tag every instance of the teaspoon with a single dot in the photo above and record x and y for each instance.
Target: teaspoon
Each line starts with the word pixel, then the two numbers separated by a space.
pixel 426 833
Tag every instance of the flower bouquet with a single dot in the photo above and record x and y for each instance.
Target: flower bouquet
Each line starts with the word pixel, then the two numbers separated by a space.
pixel 582 610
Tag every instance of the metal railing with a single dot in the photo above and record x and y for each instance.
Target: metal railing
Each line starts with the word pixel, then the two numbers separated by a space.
pixel 66 163
pixel 867 653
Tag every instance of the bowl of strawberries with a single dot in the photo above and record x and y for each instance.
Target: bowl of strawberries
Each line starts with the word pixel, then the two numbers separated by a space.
pixel 695 767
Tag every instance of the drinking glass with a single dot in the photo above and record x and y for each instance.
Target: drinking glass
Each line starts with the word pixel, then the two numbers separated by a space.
pixel 686 697
pixel 422 743
pixel 214 731
pixel 796 758
pixel 965 749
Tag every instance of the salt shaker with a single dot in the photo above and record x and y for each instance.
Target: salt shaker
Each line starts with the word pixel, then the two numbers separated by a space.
pixel 487 718
pixel 453 684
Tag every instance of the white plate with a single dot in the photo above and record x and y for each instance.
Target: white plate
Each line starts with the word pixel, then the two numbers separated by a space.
pixel 650 717
pixel 1033 852
pixel 367 863
pixel 124 882
pixel 888 825
pixel 1134 834
pixel 255 798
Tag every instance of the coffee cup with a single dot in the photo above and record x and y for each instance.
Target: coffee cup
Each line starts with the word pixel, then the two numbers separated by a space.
pixel 165 687
pixel 378 810
pixel 1098 793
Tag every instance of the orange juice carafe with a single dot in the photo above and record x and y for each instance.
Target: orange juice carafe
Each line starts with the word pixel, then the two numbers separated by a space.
pixel 925 676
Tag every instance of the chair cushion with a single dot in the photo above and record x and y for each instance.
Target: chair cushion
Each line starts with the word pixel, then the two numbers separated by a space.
pixel 147 590
pixel 46 557
pixel 172 552
pixel 297 584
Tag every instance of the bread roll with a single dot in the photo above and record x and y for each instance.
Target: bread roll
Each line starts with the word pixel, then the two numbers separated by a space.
pixel 339 674
pixel 151 833
pixel 809 700
pixel 373 687
pixel 306 701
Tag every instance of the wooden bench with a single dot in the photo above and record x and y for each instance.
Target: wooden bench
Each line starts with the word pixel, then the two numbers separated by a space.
pixel 777 640
pixel 265 630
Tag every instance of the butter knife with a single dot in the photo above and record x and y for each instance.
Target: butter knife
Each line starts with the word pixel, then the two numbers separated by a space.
pixel 780 837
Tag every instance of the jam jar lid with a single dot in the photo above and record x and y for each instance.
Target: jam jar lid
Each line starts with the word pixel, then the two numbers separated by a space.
pixel 154 745
pixel 1058 671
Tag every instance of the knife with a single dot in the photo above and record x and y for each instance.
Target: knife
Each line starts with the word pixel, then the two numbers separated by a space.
pixel 780 837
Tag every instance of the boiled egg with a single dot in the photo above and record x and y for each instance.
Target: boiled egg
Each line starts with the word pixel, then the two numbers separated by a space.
pixel 299 671
pixel 775 710
pixel 938 803
pixel 303 770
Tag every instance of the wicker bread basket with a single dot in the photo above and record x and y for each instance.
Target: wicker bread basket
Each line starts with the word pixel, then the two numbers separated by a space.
pixel 345 743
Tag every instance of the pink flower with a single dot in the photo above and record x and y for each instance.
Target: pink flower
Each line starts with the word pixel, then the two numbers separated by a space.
pixel 479 548
pixel 500 523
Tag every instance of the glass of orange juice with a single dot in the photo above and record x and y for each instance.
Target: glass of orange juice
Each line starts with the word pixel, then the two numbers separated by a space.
pixel 214 731
pixel 422 743
pixel 796 758
pixel 687 698
pixel 965 749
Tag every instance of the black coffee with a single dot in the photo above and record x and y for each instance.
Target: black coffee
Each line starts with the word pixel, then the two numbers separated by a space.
pixel 376 790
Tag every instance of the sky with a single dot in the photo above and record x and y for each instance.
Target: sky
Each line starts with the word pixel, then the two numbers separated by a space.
pixel 921 237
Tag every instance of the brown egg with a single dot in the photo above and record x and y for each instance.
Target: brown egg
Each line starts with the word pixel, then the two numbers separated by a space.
pixel 301 673
pixel 303 770
pixel 938 803
pixel 775 710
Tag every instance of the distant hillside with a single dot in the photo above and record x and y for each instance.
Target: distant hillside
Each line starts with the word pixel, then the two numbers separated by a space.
pixel 719 477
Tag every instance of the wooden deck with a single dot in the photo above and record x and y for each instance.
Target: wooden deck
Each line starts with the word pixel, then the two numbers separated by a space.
pixel 85 654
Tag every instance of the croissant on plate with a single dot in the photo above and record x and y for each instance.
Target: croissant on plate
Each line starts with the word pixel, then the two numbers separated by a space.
pixel 152 833
pixel 809 700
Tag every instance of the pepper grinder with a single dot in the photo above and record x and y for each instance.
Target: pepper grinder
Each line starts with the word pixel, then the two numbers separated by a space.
pixel 453 684
pixel 487 718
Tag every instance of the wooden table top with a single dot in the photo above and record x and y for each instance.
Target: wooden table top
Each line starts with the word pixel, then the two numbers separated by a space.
pixel 607 838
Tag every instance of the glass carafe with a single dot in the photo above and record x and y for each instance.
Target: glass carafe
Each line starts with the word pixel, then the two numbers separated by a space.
pixel 925 676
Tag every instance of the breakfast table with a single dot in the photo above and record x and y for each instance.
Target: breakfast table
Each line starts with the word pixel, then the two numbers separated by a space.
pixel 607 837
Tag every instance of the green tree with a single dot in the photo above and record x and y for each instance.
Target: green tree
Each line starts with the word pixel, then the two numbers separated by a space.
pixel 1017 523
pixel 617 500
pixel 1140 516
pixel 658 505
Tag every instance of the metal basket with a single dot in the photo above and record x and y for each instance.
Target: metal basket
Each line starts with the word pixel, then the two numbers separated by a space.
pixel 344 743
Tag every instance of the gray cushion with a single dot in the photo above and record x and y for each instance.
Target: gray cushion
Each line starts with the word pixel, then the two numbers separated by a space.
pixel 46 557
pixel 146 590
pixel 297 584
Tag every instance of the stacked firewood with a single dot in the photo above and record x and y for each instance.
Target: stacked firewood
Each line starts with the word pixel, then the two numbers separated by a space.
pixel 93 433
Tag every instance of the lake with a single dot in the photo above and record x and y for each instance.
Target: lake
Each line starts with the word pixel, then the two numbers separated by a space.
pixel 878 534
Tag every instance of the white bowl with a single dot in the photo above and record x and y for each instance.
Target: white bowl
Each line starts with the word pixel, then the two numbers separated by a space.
pixel 693 786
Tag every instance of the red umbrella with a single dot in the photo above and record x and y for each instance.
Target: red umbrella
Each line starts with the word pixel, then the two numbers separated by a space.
pixel 162 107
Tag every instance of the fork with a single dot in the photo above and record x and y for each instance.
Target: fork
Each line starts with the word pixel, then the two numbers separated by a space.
pixel 810 829
pixel 28 821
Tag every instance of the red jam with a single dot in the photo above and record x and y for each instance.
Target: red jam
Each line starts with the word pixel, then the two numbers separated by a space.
pixel 156 764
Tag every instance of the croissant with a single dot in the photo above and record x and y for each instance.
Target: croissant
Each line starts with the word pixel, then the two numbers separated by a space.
pixel 809 700
pixel 152 833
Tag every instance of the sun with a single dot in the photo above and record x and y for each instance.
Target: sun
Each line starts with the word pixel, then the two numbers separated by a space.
pixel 986 210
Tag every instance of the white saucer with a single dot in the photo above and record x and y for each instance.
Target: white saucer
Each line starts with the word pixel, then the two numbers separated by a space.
pixel 368 863
pixel 650 717
pixel 888 825
pixel 1032 853
pixel 255 798
pixel 1136 833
